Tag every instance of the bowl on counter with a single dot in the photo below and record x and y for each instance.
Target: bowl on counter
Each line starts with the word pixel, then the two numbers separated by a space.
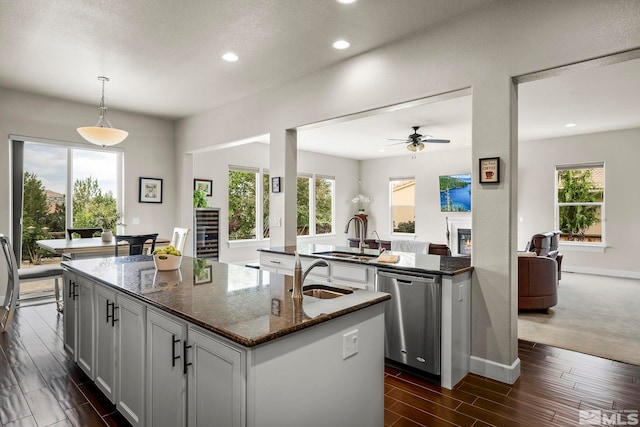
pixel 166 262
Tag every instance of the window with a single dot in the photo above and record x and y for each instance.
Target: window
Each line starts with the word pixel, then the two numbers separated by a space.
pixel 580 202
pixel 403 205
pixel 243 203
pixel 324 204
pixel 266 189
pixel 304 191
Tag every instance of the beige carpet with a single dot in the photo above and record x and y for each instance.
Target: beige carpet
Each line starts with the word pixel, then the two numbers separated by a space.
pixel 596 315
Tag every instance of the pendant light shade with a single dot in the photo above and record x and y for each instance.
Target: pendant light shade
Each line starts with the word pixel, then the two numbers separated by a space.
pixel 103 133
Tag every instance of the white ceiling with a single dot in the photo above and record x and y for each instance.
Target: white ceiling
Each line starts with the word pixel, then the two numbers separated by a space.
pixel 163 58
pixel 596 100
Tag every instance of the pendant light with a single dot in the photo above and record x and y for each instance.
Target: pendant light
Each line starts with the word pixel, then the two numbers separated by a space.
pixel 103 133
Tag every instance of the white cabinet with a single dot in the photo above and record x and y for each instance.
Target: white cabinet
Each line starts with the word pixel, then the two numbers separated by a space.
pixel 215 383
pixel 130 359
pixel 119 356
pixel 277 263
pixel 105 368
pixel 355 275
pixel 69 289
pixel 166 384
pixel 85 322
pixel 191 376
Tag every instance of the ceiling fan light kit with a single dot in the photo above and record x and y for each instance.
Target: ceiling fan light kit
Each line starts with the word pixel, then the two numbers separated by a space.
pixel 103 133
pixel 415 142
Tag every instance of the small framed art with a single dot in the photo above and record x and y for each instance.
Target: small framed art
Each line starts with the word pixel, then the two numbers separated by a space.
pixel 204 185
pixel 490 170
pixel 275 184
pixel 150 190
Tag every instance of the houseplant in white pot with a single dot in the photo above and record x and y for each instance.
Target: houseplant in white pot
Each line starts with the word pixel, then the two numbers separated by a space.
pixel 108 222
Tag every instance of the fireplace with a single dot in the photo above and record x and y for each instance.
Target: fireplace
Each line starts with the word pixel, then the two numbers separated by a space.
pixel 464 241
pixel 460 235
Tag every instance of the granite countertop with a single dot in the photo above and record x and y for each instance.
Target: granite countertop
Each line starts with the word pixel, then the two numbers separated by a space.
pixel 245 305
pixel 420 263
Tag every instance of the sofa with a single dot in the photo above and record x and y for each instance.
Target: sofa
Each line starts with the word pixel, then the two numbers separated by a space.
pixel 434 248
pixel 537 282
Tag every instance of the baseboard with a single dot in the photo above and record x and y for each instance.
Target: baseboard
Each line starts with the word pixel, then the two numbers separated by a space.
pixel 601 272
pixel 496 371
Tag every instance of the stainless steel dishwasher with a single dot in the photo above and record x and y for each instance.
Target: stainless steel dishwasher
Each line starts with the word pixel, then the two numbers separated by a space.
pixel 412 319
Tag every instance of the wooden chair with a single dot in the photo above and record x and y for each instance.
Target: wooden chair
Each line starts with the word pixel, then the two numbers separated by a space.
pixel 84 233
pixel 136 243
pixel 16 276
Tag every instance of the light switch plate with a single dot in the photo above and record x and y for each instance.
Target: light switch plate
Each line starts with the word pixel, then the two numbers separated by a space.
pixel 349 344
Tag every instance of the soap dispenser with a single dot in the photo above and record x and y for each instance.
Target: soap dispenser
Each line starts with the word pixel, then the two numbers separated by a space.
pixel 297 278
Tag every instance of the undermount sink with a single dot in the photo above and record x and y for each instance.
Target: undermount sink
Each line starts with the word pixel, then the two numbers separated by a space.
pixel 346 255
pixel 324 291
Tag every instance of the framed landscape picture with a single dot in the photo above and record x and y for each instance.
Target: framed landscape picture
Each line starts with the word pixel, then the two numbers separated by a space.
pixel 150 190
pixel 204 185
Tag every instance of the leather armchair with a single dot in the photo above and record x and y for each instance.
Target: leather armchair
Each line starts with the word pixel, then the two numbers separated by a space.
pixel 537 283
pixel 546 244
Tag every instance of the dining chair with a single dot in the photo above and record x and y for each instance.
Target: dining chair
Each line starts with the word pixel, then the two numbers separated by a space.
pixel 16 276
pixel 84 233
pixel 136 242
pixel 179 238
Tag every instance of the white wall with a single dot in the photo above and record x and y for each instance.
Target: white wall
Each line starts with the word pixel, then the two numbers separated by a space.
pixel 215 164
pixel 426 168
pixel 149 152
pixel 620 151
pixel 482 51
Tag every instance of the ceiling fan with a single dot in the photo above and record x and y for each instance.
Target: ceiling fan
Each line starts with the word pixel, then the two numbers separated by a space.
pixel 415 141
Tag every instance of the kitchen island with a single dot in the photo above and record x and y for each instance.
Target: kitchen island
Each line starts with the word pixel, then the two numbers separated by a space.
pixel 217 344
pixel 361 269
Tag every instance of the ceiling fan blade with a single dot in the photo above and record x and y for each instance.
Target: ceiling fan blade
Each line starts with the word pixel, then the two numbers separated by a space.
pixel 397 139
pixel 436 141
pixel 398 143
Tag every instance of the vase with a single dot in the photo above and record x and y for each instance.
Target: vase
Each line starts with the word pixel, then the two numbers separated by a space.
pixel 107 235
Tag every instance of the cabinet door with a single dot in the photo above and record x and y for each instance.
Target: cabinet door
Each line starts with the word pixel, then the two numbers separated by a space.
pixel 130 336
pixel 166 382
pixel 85 325
pixel 216 392
pixel 105 341
pixel 69 314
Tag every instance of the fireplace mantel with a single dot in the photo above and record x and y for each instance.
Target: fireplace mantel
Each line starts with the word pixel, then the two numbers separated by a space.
pixel 454 225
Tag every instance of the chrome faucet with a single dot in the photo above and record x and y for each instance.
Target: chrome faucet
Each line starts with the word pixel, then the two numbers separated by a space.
pixel 299 276
pixel 360 222
pixel 379 241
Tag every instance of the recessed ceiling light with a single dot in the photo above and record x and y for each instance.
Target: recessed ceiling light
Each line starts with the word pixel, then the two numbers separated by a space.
pixel 570 125
pixel 341 44
pixel 381 150
pixel 230 57
pixel 346 1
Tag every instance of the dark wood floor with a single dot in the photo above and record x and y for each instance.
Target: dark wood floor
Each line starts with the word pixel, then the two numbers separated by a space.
pixel 40 386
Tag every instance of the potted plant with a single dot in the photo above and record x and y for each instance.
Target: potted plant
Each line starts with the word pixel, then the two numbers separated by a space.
pixel 200 199
pixel 108 222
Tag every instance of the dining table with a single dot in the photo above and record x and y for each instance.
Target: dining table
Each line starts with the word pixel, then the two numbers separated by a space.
pixel 88 247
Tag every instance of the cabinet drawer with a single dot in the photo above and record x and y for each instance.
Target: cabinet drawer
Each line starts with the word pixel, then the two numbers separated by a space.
pixel 277 263
pixel 347 272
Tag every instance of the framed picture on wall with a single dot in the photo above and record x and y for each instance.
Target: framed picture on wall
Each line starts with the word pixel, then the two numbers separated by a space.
pixel 150 190
pixel 204 185
pixel 490 170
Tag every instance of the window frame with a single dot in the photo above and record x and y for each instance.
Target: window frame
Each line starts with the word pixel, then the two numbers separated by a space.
pixel 393 180
pixel 578 245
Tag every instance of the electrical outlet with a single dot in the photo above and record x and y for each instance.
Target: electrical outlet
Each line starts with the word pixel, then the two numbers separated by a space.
pixel 461 293
pixel 135 221
pixel 349 344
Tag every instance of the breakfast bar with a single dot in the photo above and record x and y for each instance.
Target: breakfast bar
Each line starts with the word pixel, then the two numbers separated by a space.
pixel 212 341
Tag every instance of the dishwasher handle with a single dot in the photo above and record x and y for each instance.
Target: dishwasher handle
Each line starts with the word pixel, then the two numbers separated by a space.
pixel 406 278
